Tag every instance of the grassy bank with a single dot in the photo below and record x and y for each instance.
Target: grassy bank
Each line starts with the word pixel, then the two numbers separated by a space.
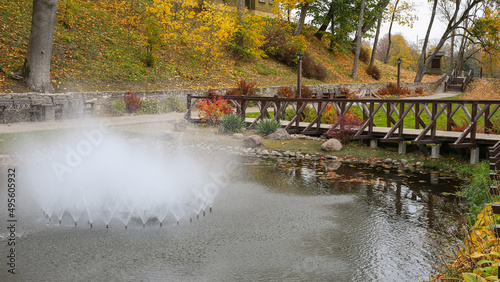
pixel 102 45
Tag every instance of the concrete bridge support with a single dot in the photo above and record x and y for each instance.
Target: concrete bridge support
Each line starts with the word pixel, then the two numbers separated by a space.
pixel 435 151
pixel 402 148
pixel 474 156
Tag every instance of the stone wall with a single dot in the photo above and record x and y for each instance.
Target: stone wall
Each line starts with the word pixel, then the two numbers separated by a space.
pixel 103 101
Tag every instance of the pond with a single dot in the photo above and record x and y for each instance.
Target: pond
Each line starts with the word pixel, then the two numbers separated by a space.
pixel 271 221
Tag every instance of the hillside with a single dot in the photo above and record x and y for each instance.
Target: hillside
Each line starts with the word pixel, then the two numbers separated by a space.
pixel 101 45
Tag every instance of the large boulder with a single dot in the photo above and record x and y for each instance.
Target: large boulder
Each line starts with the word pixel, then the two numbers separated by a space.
pixel 252 141
pixel 238 136
pixel 331 145
pixel 280 134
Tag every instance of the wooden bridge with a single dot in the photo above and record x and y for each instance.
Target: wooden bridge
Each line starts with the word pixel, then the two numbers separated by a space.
pixel 462 123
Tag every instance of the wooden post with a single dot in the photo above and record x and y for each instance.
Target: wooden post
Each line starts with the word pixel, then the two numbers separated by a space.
pixel 299 76
pixel 399 72
pixel 188 107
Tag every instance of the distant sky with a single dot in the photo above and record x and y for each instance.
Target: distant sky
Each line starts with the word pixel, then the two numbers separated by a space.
pixel 423 10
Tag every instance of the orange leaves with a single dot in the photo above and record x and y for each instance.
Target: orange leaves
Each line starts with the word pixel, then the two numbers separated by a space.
pixel 483 89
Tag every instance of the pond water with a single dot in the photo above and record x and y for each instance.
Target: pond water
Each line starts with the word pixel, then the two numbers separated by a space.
pixel 271 221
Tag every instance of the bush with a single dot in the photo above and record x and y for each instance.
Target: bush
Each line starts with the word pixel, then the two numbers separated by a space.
pixel 393 90
pixel 305 92
pixel 364 55
pixel 231 123
pixel 311 69
pixel 277 45
pixel 172 104
pixel 383 92
pixel 132 102
pixel 289 114
pixel 267 126
pixel 281 46
pixel 374 72
pixel 149 107
pixel 308 114
pixel 419 90
pixel 345 91
pixel 119 107
pixel 249 37
pixel 329 115
pixel 286 92
pixel 346 127
pixel 212 110
pixel 243 88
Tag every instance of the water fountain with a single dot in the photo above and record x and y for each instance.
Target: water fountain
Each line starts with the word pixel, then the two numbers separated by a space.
pixel 99 177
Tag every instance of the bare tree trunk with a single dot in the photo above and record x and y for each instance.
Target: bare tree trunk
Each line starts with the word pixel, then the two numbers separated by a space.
pixel 326 22
pixel 375 41
pixel 302 18
pixel 358 41
pixel 36 69
pixel 452 47
pixel 386 59
pixel 240 9
pixel 381 5
pixel 332 30
pixel 421 62
pixel 461 50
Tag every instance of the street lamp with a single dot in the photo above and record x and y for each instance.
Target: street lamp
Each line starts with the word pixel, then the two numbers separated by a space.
pixel 299 74
pixel 399 71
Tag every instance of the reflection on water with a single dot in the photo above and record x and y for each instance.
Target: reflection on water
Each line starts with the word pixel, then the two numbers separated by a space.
pixel 310 221
pixel 394 229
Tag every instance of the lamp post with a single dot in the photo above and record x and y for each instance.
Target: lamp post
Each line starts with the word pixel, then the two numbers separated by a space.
pixel 399 71
pixel 299 74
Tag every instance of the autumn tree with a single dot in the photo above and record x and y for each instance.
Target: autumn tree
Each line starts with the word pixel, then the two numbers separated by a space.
pixel 382 6
pixel 457 18
pixel 400 49
pixel 36 69
pixel 400 12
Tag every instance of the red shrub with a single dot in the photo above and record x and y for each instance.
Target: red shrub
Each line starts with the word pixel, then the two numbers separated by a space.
pixel 133 102
pixel 374 72
pixel 393 90
pixel 347 126
pixel 305 92
pixel 212 110
pixel 419 90
pixel 286 92
pixel 243 88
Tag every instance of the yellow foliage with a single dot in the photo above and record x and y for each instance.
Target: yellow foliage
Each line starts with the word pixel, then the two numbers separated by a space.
pixel 480 251
pixel 206 31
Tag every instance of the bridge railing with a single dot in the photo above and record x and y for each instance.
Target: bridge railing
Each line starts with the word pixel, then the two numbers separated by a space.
pixel 450 79
pixel 468 79
pixel 394 120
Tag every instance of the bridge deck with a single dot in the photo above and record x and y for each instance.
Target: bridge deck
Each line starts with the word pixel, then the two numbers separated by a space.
pixel 408 134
